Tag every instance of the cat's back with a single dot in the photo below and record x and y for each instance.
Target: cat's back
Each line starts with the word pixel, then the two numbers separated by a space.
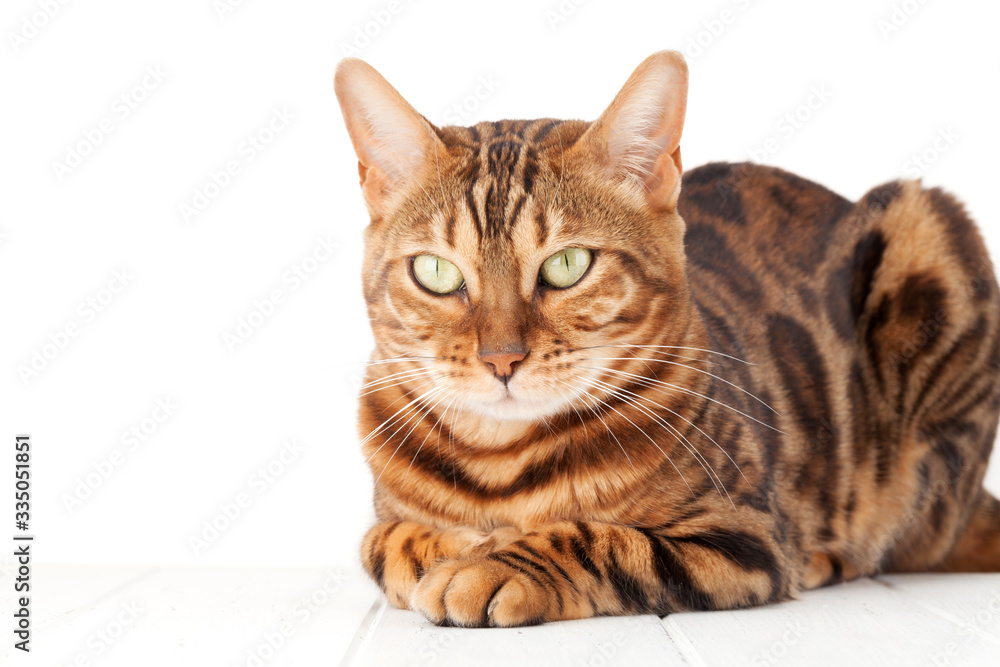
pixel 762 241
pixel 747 221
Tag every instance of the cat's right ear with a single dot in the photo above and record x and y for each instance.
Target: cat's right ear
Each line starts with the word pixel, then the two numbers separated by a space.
pixel 394 143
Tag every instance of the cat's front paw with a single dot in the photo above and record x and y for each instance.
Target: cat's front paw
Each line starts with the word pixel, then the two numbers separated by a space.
pixel 480 592
pixel 398 556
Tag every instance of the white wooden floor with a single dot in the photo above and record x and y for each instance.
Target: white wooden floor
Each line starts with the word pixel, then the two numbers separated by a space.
pixel 113 615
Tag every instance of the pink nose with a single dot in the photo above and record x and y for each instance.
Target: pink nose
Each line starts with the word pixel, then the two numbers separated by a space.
pixel 503 363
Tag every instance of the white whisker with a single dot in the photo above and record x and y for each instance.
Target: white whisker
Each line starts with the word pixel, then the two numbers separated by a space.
pixel 396 360
pixel 686 391
pixel 698 456
pixel 693 349
pixel 447 395
pixel 594 410
pixel 695 426
pixel 692 368
pixel 648 349
pixel 655 444
pixel 416 414
pixel 391 420
pixel 395 379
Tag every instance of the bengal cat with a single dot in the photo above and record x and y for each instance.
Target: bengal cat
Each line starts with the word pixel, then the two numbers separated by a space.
pixel 597 392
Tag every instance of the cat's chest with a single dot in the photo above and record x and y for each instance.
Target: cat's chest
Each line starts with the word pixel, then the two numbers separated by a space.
pixel 526 495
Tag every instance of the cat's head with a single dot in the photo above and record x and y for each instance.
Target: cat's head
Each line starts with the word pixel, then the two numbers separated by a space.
pixel 512 260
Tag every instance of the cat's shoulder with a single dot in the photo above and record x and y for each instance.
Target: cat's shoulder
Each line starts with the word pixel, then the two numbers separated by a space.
pixel 730 189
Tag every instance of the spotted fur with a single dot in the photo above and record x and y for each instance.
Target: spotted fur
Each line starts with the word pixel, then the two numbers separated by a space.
pixel 759 387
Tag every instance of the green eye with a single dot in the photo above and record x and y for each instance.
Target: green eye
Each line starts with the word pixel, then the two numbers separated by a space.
pixel 437 274
pixel 565 267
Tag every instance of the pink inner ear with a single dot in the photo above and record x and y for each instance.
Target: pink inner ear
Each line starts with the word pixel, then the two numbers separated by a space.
pixel 373 185
pixel 662 185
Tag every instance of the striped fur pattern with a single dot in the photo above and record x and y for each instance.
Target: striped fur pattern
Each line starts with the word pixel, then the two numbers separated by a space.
pixel 757 388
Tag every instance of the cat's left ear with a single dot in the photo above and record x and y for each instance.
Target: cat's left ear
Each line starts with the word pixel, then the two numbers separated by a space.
pixel 637 138
pixel 394 143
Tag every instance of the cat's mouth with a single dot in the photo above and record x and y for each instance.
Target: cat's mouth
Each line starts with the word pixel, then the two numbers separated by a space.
pixel 511 403
pixel 508 398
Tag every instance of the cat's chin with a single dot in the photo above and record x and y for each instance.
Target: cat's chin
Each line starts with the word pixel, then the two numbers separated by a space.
pixel 503 420
pixel 496 424
pixel 517 405
pixel 512 409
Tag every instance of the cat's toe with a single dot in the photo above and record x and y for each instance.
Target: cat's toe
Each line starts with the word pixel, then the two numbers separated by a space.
pixel 399 579
pixel 517 602
pixel 480 593
pixel 428 594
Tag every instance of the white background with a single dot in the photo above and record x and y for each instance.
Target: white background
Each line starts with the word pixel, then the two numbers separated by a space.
pixel 162 336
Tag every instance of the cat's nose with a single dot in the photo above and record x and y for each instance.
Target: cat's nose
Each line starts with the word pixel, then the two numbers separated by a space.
pixel 503 363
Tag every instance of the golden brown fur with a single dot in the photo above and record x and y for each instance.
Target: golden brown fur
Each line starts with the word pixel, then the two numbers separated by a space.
pixel 757 388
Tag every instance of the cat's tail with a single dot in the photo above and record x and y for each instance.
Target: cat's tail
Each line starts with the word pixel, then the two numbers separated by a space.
pixel 978 547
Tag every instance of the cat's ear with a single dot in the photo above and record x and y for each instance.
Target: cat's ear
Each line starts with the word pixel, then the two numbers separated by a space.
pixel 393 142
pixel 637 138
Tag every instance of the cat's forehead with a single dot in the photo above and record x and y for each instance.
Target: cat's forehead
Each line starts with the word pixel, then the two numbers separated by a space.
pixel 510 154
pixel 542 134
pixel 502 175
